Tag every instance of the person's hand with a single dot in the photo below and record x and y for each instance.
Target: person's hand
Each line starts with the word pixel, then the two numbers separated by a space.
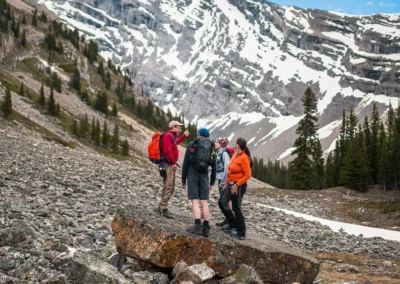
pixel 186 133
pixel 234 189
pixel 174 167
pixel 184 186
pixel 210 187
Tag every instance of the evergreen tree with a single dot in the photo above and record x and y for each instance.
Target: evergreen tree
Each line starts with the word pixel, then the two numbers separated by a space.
pixel 24 20
pixel 329 172
pixel 125 148
pixel 74 127
pixel 21 90
pixel 115 141
pixel 93 129
pixel 356 172
pixel 374 147
pixel 114 110
pixel 23 39
pixel 100 70
pixel 7 104
pixel 52 108
pixel 42 98
pixel 367 135
pixel 391 148
pixel 108 81
pixel 318 159
pixel 302 171
pixel 34 18
pixel 97 133
pixel 101 103
pixel 76 80
pixel 384 170
pixel 57 109
pixel 105 134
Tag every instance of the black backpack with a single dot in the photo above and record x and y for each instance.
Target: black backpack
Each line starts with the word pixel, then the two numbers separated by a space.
pixel 202 154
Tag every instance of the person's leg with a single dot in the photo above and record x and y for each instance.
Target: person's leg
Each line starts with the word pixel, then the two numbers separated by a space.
pixel 242 192
pixel 193 195
pixel 240 222
pixel 204 197
pixel 226 197
pixel 168 190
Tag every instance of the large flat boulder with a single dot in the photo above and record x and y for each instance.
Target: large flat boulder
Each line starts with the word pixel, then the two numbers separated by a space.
pixel 142 233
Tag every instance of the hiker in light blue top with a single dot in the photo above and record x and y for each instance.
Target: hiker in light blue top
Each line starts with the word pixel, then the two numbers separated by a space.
pixel 223 159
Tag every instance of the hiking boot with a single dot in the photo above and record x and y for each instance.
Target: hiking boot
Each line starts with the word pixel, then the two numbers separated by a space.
pixel 206 231
pixel 223 223
pixel 167 214
pixel 227 228
pixel 239 237
pixel 196 230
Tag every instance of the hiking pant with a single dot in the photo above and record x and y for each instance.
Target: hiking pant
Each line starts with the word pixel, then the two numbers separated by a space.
pixel 168 187
pixel 235 218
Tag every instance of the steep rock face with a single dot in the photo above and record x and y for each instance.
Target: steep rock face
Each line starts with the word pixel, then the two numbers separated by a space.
pixel 235 63
pixel 140 234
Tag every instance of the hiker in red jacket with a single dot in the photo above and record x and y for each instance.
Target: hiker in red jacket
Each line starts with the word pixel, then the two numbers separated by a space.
pixel 170 155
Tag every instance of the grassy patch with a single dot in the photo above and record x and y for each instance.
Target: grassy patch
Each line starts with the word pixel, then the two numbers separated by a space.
pixel 384 207
pixel 9 81
pixel 29 66
pixel 67 67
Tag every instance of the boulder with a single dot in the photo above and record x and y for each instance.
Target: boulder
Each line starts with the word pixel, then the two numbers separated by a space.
pixel 196 274
pixel 143 234
pixel 143 277
pixel 244 275
pixel 86 268
pixel 11 236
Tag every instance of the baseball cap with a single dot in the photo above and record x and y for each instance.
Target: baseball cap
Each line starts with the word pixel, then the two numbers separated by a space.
pixel 174 123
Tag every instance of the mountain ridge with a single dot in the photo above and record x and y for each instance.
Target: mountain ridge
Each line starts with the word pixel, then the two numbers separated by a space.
pixel 230 64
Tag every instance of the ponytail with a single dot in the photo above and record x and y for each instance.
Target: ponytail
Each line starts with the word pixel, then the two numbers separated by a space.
pixel 247 151
pixel 243 146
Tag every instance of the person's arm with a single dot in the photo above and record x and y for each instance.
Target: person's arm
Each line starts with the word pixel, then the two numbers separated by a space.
pixel 167 141
pixel 213 171
pixel 185 165
pixel 246 170
pixel 226 159
pixel 181 138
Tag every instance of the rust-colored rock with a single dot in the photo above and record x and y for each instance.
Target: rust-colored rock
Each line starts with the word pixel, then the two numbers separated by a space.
pixel 142 233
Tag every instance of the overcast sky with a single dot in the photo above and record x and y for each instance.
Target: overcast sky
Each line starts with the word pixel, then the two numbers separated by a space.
pixel 356 7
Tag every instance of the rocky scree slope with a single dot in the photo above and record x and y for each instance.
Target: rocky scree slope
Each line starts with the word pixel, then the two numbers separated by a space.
pixel 64 200
pixel 230 63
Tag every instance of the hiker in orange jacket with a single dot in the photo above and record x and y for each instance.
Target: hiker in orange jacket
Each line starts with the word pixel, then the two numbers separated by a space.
pixel 169 157
pixel 239 172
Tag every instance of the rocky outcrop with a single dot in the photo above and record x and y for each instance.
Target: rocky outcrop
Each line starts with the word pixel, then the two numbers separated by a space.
pixel 141 233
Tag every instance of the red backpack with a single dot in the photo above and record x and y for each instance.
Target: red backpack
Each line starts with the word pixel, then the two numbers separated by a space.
pixel 230 151
pixel 154 148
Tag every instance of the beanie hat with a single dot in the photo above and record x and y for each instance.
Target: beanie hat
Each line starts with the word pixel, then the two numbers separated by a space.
pixel 223 141
pixel 204 132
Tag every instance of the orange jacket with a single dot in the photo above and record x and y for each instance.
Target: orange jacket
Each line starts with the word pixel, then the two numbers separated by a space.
pixel 239 169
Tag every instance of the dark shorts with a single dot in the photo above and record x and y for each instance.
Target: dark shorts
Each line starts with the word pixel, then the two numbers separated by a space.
pixel 197 184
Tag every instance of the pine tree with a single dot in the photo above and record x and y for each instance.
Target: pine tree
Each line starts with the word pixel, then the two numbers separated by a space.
pixel 58 112
pixel 125 148
pixel 97 133
pixel 52 108
pixel 74 127
pixel 105 134
pixel 302 169
pixel 34 18
pixel 101 103
pixel 93 129
pixel 115 141
pixel 7 104
pixel 114 111
pixel 355 175
pixel 42 98
pixel 384 170
pixel 329 172
pixel 21 91
pixel 23 39
pixel 318 159
pixel 108 81
pixel 76 80
pixel 24 20
pixel 100 70
pixel 374 147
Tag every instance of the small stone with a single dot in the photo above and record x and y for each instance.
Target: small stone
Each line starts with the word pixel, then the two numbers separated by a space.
pixel 197 273
pixel 179 267
pixel 387 263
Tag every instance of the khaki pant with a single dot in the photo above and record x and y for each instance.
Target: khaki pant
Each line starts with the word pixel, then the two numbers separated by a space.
pixel 168 187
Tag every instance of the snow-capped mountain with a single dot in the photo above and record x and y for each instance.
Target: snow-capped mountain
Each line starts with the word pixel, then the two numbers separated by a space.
pixel 240 67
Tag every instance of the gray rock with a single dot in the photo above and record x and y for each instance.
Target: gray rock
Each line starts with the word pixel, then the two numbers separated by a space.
pixel 149 277
pixel 197 273
pixel 179 267
pixel 11 236
pixel 244 275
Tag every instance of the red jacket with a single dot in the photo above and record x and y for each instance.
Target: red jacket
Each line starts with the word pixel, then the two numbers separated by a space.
pixel 170 146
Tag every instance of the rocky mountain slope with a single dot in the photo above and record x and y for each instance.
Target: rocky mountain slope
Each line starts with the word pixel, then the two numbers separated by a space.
pixel 241 67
